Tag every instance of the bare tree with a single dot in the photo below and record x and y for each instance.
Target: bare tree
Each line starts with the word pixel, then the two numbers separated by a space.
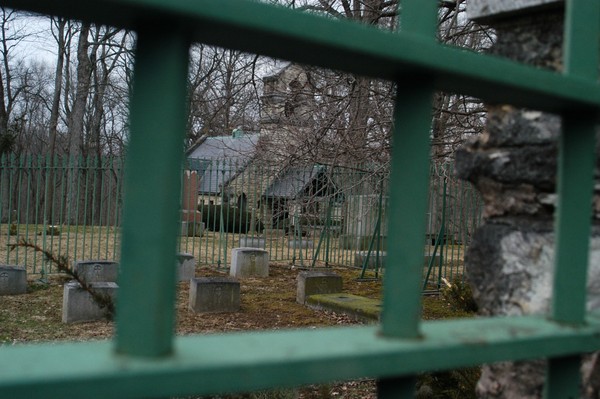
pixel 223 93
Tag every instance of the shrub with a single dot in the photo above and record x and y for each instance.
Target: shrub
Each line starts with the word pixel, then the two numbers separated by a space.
pixel 235 220
pixel 459 295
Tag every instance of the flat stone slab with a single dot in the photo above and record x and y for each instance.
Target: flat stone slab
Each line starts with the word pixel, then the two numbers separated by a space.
pixel 361 308
pixel 214 294
pixel 316 282
pixel 486 10
pixel 78 305
pixel 186 267
pixel 249 262
pixel 97 270
pixel 13 280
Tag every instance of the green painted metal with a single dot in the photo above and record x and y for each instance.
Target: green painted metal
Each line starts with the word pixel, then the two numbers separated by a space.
pixel 152 185
pixel 207 364
pixel 145 360
pixel 575 187
pixel 409 184
pixel 576 166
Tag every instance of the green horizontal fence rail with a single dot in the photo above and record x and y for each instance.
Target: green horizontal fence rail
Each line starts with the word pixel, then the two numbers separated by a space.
pixel 310 216
pixel 146 360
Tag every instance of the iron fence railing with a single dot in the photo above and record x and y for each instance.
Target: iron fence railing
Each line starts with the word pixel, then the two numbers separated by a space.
pixel 309 215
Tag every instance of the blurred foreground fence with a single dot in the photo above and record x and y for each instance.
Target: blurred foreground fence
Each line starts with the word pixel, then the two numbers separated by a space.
pixel 311 216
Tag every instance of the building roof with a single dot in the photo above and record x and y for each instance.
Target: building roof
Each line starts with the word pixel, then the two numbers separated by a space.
pixel 219 159
pixel 294 181
pixel 229 148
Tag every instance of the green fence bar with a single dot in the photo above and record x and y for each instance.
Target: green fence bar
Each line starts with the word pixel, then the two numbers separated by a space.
pixel 148 362
pixel 575 182
pixel 409 185
pixel 145 318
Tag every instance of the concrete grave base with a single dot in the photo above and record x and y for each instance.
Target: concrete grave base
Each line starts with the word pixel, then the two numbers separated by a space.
pixel 78 305
pixel 13 280
pixel 313 282
pixel 214 294
pixel 252 242
pixel 97 270
pixel 186 267
pixel 249 262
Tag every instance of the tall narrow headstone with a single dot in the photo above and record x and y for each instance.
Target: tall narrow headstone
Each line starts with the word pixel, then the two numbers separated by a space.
pixel 186 267
pixel 191 218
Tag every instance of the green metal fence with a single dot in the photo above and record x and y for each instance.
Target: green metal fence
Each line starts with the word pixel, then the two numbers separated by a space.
pixel 311 216
pixel 71 207
pixel 145 359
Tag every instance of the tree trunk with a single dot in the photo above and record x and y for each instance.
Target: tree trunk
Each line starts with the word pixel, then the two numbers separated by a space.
pixel 76 119
pixel 54 114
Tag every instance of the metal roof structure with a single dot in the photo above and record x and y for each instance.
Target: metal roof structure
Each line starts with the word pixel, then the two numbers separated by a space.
pixel 295 181
pixel 219 159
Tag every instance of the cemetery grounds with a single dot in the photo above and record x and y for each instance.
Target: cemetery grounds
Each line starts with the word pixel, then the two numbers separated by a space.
pixel 266 303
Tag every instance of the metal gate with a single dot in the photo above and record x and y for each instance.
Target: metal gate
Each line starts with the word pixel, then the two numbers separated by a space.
pixel 146 360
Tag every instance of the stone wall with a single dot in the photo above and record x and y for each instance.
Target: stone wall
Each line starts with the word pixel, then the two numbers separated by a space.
pixel 513 164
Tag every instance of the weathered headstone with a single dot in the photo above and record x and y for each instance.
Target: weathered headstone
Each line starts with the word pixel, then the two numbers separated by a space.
pixel 78 304
pixel 316 282
pixel 249 262
pixel 13 280
pixel 186 267
pixel 214 294
pixel 191 218
pixel 97 270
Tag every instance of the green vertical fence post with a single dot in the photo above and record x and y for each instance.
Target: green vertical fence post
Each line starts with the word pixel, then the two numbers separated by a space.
pixel 145 313
pixel 575 187
pixel 409 186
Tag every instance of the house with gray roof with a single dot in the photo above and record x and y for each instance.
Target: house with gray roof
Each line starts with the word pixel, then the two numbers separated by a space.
pixel 218 160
